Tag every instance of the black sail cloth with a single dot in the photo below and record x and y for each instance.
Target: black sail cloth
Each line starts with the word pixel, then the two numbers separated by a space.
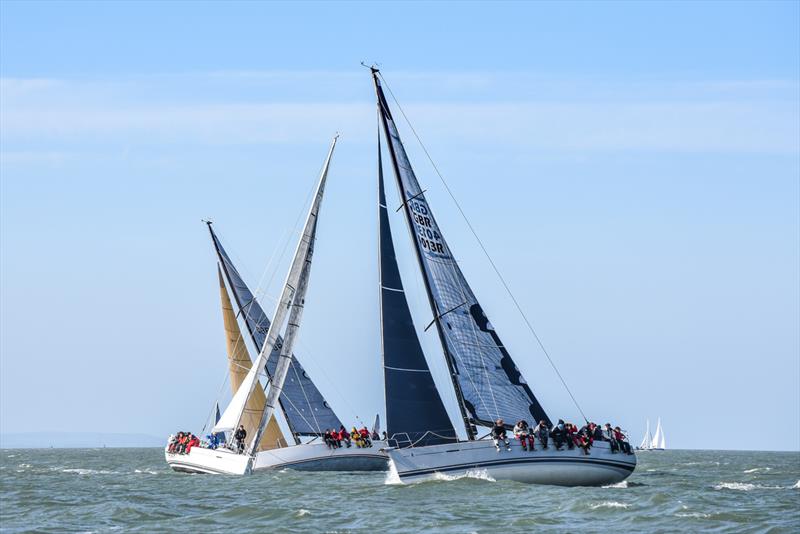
pixel 487 381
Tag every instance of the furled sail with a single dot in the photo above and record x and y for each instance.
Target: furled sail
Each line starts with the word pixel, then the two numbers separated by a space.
pixel 487 381
pixel 415 413
pixel 307 412
pixel 239 364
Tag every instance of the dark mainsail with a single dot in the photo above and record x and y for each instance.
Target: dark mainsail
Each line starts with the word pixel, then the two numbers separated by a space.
pixel 307 412
pixel 415 413
pixel 488 383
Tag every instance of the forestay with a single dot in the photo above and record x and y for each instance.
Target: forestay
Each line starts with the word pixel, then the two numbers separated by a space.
pixel 307 412
pixel 487 380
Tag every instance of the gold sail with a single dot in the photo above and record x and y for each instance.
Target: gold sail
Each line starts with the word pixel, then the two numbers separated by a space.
pixel 239 363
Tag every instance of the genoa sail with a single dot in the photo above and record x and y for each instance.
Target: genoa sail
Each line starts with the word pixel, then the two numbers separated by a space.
pixel 306 410
pixel 487 381
pixel 415 413
pixel 239 364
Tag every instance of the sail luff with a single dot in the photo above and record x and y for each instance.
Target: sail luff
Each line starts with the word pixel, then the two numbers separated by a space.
pixel 383 110
pixel 239 364
pixel 292 301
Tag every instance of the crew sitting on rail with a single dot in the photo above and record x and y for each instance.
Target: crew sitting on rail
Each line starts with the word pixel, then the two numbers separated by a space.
pixel 622 441
pixel 365 437
pixel 559 434
pixel 344 435
pixel 331 438
pixel 499 434
pixel 542 432
pixel 521 432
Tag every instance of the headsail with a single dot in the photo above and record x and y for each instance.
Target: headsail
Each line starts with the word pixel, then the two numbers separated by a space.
pixel 306 410
pixel 415 413
pixel 487 381
pixel 239 364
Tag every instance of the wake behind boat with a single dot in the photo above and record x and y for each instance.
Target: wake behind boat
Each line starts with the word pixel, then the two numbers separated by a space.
pixel 251 413
pixel 488 386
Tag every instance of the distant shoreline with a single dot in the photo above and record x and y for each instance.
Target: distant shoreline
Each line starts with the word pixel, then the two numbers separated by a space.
pixel 77 440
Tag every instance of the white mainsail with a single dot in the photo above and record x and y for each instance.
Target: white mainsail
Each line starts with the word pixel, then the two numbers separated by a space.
pixel 658 439
pixel 293 290
pixel 647 441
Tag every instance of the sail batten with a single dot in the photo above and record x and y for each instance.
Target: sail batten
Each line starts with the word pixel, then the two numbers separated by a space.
pixel 306 411
pixel 415 413
pixel 486 380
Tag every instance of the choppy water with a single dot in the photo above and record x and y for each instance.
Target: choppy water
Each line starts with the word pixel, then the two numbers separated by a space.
pixel 100 490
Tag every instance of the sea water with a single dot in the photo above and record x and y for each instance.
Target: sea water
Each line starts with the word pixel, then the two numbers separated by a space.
pixel 133 490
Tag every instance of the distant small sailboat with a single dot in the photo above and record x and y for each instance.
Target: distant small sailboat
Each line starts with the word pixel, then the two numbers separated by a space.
pixel 656 442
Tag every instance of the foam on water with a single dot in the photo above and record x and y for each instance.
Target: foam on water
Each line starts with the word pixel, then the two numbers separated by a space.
pixel 477 474
pixel 742 486
pixel 757 469
pixel 609 504
pixel 672 497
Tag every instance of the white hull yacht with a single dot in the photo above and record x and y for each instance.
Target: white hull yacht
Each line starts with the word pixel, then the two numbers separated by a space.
pixel 487 384
pixel 303 457
pixel 291 390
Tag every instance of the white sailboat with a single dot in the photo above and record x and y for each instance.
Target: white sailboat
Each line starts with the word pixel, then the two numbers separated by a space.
pixel 656 442
pixel 647 440
pixel 266 447
pixel 487 383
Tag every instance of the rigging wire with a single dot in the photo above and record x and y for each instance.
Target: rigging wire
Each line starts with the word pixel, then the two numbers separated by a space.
pixel 483 248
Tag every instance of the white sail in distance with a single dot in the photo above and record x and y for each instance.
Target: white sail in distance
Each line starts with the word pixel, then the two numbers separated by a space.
pixel 646 440
pixel 233 413
pixel 658 439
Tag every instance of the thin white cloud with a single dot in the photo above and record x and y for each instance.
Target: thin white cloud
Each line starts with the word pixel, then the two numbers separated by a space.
pixel 719 116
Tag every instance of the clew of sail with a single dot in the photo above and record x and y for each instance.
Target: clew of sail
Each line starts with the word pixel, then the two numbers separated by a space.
pixel 415 413
pixel 239 364
pixel 307 412
pixel 487 381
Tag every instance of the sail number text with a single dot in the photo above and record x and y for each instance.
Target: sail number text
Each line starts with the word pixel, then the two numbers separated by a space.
pixel 429 238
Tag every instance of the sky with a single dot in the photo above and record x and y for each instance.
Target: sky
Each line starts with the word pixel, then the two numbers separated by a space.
pixel 632 168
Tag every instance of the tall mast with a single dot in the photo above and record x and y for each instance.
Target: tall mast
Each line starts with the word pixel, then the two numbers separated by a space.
pixel 383 110
pixel 242 309
pixel 292 301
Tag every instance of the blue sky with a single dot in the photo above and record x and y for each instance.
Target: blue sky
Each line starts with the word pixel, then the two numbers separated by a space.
pixel 633 169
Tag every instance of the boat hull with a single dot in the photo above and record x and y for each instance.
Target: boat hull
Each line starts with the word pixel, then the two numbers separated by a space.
pixel 543 466
pixel 303 457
